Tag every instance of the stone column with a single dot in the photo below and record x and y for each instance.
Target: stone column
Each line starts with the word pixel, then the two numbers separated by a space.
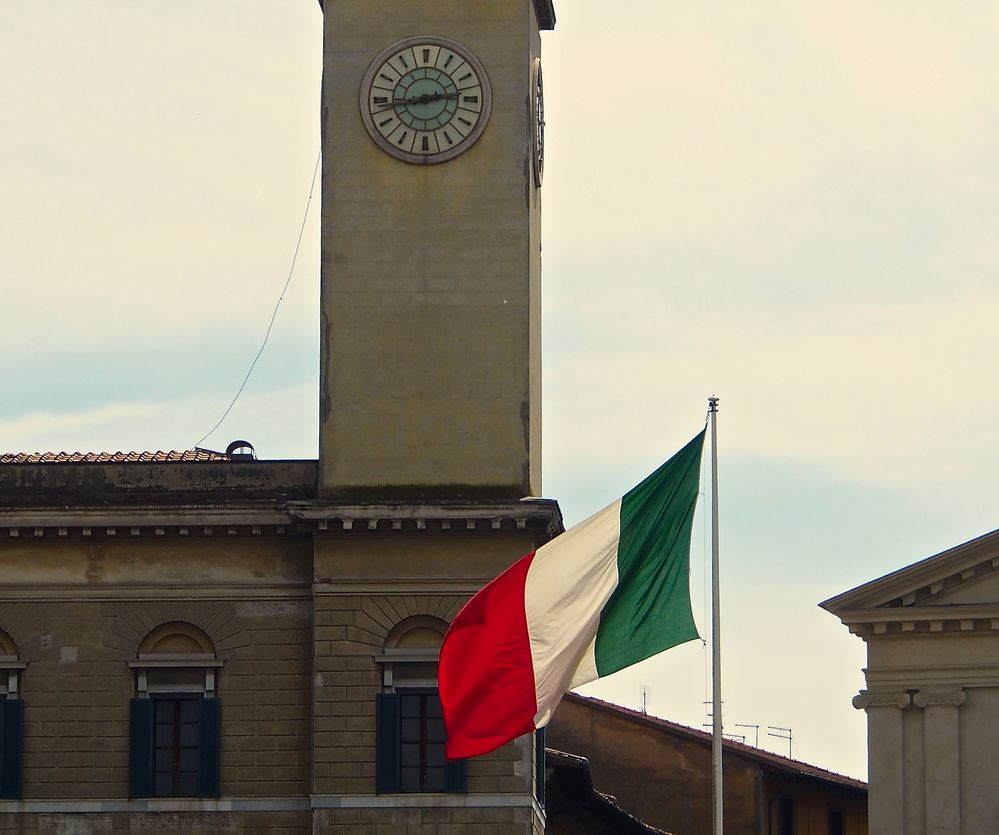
pixel 942 774
pixel 885 752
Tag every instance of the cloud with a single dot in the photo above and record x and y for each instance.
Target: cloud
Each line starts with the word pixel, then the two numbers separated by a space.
pixel 280 422
pixel 874 393
pixel 162 199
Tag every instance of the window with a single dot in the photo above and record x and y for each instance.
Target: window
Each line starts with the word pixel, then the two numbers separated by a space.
pixel 837 822
pixel 176 745
pixel 410 725
pixel 421 742
pixel 785 816
pixel 175 719
pixel 11 719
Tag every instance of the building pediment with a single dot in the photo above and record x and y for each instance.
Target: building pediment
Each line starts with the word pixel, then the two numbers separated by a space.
pixel 955 590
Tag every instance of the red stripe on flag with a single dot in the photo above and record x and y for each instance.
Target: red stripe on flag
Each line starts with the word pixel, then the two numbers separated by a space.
pixel 486 674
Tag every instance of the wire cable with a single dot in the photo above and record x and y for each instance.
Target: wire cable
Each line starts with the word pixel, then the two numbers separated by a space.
pixel 291 272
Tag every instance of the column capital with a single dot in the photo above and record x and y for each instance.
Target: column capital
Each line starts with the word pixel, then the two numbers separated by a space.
pixel 931 698
pixel 865 700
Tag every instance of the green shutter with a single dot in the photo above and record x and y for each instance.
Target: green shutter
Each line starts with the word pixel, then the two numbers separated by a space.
pixel 455 780
pixel 539 765
pixel 211 738
pixel 387 762
pixel 11 740
pixel 140 748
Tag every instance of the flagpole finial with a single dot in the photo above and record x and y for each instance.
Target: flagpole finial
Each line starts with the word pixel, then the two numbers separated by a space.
pixel 713 404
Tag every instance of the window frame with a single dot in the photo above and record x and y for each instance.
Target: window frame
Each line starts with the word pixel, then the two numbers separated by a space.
pixel 177 746
pixel 142 747
pixel 426 746
pixel 403 671
pixel 201 687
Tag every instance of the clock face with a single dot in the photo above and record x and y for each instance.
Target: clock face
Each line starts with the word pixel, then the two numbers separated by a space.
pixel 425 100
pixel 538 119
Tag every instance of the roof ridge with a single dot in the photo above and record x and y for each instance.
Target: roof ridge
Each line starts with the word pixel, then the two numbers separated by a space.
pixel 734 745
pixel 119 457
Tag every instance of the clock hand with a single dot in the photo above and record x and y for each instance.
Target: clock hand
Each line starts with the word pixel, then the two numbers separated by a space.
pixel 426 98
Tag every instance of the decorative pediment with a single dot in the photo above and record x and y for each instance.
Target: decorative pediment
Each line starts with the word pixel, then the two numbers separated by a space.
pixel 956 590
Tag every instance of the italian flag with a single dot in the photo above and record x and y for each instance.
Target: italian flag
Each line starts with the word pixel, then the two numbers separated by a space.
pixel 602 596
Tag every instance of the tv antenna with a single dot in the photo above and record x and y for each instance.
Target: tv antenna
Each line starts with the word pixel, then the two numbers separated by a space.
pixel 756 739
pixel 786 734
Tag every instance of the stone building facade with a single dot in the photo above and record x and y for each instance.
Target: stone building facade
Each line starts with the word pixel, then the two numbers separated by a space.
pixel 204 642
pixel 932 695
pixel 288 623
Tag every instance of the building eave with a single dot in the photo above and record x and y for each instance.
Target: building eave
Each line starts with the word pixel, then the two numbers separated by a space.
pixel 924 578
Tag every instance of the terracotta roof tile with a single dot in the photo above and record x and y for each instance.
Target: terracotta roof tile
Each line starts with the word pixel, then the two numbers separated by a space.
pixel 157 457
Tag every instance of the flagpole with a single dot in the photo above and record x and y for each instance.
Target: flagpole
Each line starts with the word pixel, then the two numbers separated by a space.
pixel 716 701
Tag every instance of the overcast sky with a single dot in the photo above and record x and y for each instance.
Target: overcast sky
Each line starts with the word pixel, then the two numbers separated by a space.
pixel 791 205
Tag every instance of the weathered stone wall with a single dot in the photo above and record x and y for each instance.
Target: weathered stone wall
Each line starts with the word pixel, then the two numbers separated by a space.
pixel 77 687
pixel 368 583
pixel 78 609
pixel 431 274
pixel 297 612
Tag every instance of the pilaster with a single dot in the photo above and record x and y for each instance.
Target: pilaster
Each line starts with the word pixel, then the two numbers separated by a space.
pixel 885 747
pixel 942 769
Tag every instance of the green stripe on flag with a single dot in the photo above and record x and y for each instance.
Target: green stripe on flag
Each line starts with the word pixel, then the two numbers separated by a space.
pixel 650 609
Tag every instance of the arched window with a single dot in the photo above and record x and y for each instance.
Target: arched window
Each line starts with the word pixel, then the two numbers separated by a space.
pixel 410 725
pixel 11 719
pixel 175 715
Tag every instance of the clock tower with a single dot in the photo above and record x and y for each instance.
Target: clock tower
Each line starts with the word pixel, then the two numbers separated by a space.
pixel 431 248
pixel 430 396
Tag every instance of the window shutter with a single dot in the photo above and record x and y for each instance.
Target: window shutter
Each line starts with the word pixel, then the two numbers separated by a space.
pixel 455 780
pixel 539 765
pixel 11 740
pixel 140 748
pixel 387 763
pixel 211 739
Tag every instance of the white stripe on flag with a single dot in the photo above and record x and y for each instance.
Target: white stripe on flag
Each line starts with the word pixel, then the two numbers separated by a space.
pixel 569 583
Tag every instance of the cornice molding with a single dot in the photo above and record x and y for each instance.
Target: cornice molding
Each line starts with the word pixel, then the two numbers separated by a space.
pixel 307 517
pixel 541 516
pixel 236 592
pixel 933 678
pixel 545 10
pixel 916 620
